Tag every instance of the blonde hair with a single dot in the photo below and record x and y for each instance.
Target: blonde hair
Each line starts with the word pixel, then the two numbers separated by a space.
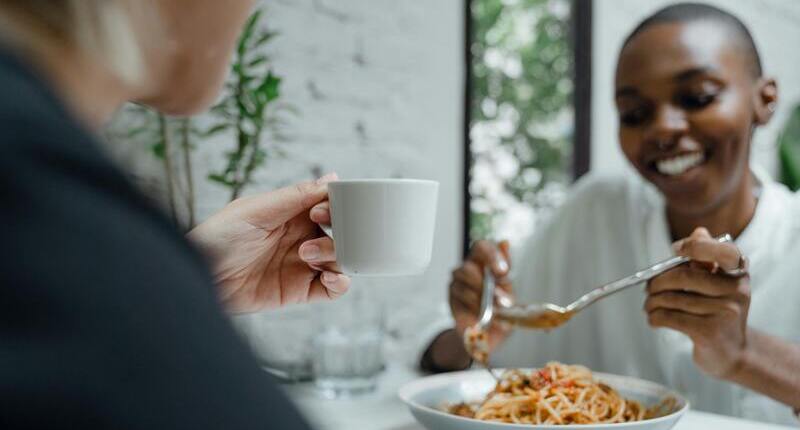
pixel 100 29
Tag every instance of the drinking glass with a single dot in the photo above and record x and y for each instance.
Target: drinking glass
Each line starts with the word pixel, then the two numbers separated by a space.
pixel 347 347
pixel 281 340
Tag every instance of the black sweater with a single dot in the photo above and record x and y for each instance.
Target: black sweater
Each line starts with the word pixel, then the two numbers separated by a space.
pixel 108 318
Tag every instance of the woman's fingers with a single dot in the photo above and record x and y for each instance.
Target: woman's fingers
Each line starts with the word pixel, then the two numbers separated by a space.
pixel 467 285
pixel 676 320
pixel 465 290
pixel 469 274
pixel 464 297
pixel 336 283
pixel 486 254
pixel 318 251
pixel 504 282
pixel 328 286
pixel 467 281
pixel 320 254
pixel 321 213
pixel 694 280
pixel 725 255
pixel 701 247
pixel 690 303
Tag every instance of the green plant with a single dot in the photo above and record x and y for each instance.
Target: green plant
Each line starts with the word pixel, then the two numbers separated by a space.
pixel 170 141
pixel 789 151
pixel 247 110
pixel 252 90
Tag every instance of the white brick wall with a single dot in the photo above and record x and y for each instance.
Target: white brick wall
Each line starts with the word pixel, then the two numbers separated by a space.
pixel 775 25
pixel 378 87
pixel 378 84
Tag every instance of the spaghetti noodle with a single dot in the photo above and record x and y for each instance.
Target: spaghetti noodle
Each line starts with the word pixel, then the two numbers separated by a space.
pixel 556 394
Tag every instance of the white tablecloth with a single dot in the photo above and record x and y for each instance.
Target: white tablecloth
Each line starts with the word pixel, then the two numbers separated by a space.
pixel 383 410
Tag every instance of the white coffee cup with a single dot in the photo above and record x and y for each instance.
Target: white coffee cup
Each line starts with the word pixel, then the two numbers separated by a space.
pixel 383 227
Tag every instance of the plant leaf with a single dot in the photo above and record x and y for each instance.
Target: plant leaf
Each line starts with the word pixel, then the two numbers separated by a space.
pixel 219 128
pixel 221 108
pixel 247 33
pixel 259 60
pixel 270 87
pixel 159 150
pixel 264 38
pixel 220 179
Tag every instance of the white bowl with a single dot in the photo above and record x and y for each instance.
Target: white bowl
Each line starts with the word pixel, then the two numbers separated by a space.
pixel 425 395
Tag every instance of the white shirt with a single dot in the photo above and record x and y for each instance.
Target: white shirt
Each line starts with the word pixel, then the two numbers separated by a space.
pixel 609 228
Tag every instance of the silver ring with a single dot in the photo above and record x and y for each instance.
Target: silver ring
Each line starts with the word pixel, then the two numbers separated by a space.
pixel 740 271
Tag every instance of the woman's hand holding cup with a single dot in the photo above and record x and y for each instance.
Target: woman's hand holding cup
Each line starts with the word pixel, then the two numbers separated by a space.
pixel 268 250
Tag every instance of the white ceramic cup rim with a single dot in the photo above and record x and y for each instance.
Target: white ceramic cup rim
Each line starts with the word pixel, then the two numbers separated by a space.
pixel 384 181
pixel 328 229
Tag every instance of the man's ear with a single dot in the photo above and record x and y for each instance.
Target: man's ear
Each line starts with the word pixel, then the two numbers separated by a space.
pixel 765 100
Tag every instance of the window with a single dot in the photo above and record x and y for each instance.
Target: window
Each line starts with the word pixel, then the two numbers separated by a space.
pixel 527 90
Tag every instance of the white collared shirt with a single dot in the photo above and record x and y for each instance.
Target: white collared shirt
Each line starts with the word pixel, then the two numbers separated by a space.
pixel 609 228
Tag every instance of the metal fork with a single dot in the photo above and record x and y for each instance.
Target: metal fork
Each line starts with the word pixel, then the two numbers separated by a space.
pixel 487 313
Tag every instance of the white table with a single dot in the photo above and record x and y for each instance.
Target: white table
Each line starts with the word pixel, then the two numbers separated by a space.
pixel 383 410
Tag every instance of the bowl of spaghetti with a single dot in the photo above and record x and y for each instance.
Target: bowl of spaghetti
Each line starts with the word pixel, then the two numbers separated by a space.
pixel 556 396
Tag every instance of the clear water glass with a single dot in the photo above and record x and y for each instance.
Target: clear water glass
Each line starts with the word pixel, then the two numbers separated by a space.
pixel 347 348
pixel 281 340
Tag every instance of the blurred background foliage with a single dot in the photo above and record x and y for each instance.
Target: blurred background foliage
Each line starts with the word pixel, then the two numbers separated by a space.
pixel 789 150
pixel 521 114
